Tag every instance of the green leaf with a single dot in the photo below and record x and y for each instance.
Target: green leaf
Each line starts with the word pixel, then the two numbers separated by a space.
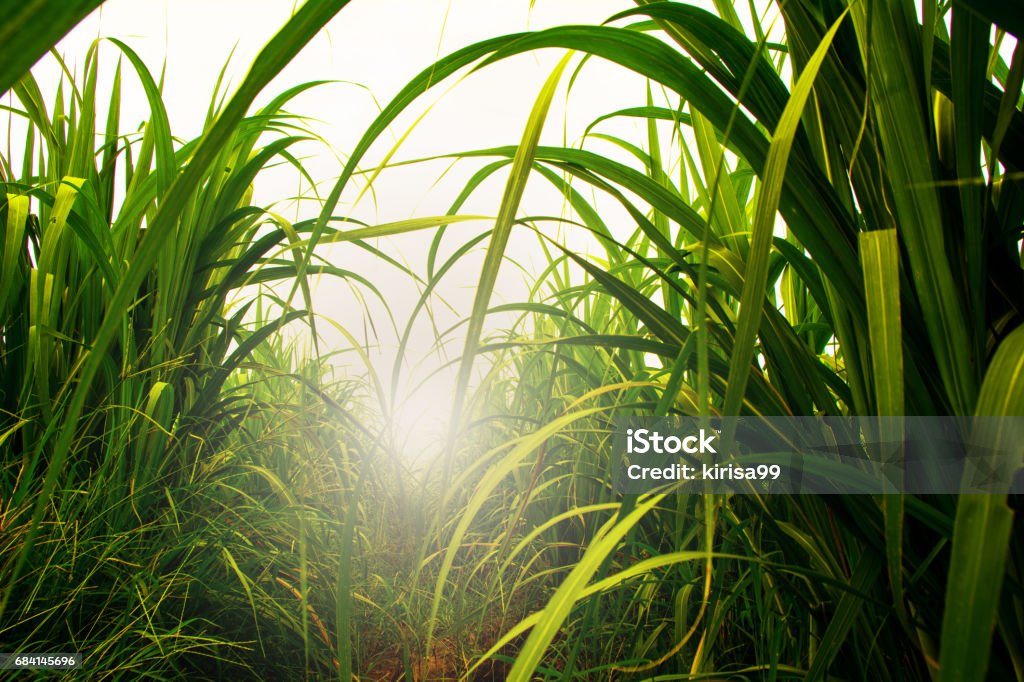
pixel 879 254
pixel 846 612
pixel 981 537
pixel 550 620
pixel 901 106
pixel 14 230
pixel 1006 15
pixel 981 534
pixel 522 164
pixel 299 30
pixel 28 28
pixel 756 274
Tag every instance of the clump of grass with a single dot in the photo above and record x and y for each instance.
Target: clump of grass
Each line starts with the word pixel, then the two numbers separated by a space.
pixel 183 493
pixel 175 483
pixel 894 290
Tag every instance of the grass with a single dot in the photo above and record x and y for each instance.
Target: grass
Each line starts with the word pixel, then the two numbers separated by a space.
pixel 185 492
pixel 125 353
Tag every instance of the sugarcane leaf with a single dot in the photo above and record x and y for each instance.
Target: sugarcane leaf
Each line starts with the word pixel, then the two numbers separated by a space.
pixel 29 29
pixel 756 272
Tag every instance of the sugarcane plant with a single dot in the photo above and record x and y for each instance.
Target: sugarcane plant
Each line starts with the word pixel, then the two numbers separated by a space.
pixel 823 217
pixel 846 241
pixel 151 413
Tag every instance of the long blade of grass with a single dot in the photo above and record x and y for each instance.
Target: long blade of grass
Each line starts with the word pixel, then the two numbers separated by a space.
pixel 981 534
pixel 846 612
pixel 29 29
pixel 481 494
pixel 880 261
pixel 755 277
pixel 890 33
pixel 560 604
pixel 299 30
pixel 520 172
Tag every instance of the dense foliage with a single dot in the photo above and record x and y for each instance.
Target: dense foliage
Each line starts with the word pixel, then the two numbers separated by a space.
pixel 182 491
